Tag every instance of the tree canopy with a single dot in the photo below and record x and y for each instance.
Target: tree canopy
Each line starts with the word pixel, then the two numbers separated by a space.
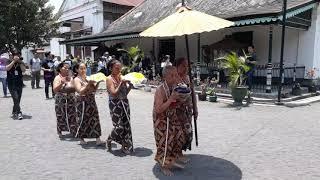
pixel 26 23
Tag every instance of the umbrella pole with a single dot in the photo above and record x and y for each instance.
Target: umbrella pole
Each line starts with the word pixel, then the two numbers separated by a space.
pixel 192 90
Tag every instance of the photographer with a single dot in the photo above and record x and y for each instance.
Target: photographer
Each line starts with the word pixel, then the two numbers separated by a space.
pixel 15 68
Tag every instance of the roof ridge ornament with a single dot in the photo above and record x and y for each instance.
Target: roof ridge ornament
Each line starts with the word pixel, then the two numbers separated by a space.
pixel 183 8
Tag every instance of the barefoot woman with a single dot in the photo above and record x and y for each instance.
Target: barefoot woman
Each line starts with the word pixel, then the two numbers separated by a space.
pixel 168 131
pixel 89 123
pixel 118 90
pixel 65 100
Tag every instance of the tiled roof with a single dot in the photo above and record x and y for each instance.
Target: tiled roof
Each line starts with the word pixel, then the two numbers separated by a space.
pixel 125 2
pixel 152 11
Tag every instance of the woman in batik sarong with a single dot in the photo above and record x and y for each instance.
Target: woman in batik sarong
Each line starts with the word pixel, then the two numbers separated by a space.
pixel 168 132
pixel 118 90
pixel 65 101
pixel 88 116
pixel 185 109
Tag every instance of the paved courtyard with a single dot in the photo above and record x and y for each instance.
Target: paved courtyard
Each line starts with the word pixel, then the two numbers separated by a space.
pixel 252 143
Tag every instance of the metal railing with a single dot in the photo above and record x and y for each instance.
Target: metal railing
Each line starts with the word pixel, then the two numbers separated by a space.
pixel 292 74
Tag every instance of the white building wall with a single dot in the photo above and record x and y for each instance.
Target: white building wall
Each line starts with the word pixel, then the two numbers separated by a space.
pixel 316 59
pixel 26 54
pixel 260 41
pixel 57 49
pixel 92 13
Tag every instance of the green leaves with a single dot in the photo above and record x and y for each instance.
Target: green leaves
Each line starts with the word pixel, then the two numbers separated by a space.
pixel 236 67
pixel 211 92
pixel 135 55
pixel 26 22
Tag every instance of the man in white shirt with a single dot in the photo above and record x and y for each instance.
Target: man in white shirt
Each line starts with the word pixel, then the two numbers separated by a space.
pixel 57 61
pixel 35 66
pixel 100 65
pixel 106 57
pixel 3 73
pixel 167 60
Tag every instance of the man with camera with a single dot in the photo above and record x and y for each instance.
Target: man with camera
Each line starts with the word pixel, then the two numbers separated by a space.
pixel 15 68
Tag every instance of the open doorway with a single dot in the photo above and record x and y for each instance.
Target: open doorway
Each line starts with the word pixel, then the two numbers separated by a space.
pixel 167 47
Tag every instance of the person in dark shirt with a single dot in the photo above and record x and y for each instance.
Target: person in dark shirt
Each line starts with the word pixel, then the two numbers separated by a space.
pixel 15 67
pixel 48 73
pixel 251 61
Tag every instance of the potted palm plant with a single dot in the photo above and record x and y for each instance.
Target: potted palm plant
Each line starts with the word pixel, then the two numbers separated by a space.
pixel 212 96
pixel 237 70
pixel 296 89
pixel 135 55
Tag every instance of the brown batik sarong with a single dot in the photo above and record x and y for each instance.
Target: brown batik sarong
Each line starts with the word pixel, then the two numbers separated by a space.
pixel 120 115
pixel 169 138
pixel 66 113
pixel 184 113
pixel 88 117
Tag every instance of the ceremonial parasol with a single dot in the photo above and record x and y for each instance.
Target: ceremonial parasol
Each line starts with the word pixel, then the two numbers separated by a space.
pixel 98 77
pixel 134 77
pixel 185 22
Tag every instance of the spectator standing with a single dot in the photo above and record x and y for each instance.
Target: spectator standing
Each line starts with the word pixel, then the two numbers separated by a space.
pixel 57 62
pixel 88 63
pixel 251 61
pixel 48 73
pixel 35 66
pixel 3 74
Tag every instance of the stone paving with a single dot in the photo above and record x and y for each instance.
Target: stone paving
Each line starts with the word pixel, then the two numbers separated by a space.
pixel 252 143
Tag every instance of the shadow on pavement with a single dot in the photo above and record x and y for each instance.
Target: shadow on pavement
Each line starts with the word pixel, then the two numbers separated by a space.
pixel 92 145
pixel 235 107
pixel 118 153
pixel 138 152
pixel 203 167
pixel 25 117
pixel 69 137
pixel 142 152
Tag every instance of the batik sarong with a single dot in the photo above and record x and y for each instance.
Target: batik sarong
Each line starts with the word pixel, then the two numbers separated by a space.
pixel 169 136
pixel 120 115
pixel 88 117
pixel 184 113
pixel 66 113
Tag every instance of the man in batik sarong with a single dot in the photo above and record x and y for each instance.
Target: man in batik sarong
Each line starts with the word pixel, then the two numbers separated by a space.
pixel 168 131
